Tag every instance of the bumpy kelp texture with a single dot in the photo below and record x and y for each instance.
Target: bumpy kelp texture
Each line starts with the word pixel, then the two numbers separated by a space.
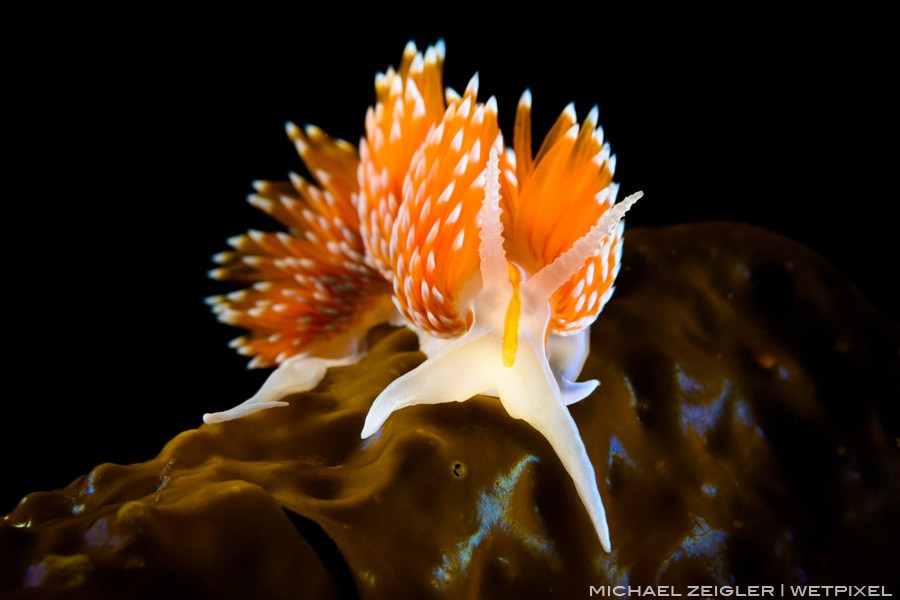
pixel 746 431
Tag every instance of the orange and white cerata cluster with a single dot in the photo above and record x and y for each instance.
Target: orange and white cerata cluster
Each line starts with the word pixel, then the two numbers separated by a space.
pixel 499 259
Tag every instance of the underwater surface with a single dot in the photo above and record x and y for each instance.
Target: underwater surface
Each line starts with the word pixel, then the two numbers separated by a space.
pixel 745 431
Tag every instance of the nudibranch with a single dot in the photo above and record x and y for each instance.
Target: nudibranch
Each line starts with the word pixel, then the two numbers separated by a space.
pixel 499 259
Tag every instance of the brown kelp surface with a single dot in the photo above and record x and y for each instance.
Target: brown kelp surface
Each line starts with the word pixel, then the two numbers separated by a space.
pixel 746 431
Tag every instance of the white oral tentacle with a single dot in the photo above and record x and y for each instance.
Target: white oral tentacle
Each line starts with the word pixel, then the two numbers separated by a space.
pixel 531 393
pixel 448 376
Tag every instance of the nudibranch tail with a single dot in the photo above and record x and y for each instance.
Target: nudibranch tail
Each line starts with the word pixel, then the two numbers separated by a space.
pixel 294 375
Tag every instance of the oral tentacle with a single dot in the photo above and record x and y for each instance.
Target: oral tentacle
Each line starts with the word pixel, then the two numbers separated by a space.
pixel 459 371
pixel 531 394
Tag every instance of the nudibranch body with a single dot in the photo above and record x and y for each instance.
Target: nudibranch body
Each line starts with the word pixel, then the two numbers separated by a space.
pixel 498 259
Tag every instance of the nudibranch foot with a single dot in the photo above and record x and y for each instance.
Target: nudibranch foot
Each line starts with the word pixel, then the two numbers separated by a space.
pixel 294 375
pixel 504 351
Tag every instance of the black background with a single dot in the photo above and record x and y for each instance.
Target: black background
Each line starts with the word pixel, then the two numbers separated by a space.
pixel 130 149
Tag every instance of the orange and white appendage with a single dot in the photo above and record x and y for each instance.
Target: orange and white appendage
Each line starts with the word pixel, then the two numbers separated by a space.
pixel 498 259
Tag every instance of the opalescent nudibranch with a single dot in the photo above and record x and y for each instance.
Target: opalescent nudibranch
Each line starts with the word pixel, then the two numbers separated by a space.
pixel 499 259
